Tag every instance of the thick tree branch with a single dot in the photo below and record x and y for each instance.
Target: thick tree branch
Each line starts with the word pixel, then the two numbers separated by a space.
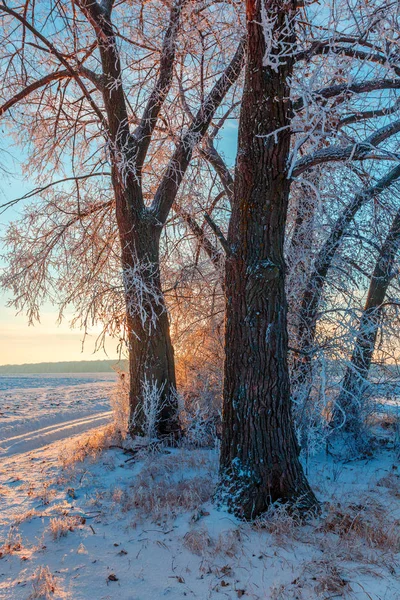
pixel 121 142
pixel 107 6
pixel 353 151
pixel 313 291
pixel 168 188
pixel 212 155
pixel 98 16
pixel 49 78
pixel 369 114
pixel 73 72
pixel 327 47
pixel 40 190
pixel 32 87
pixel 218 233
pixel 214 254
pixel 148 121
pixel 217 162
pixel 360 87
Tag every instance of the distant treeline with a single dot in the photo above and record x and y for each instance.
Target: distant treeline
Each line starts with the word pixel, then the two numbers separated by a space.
pixel 82 366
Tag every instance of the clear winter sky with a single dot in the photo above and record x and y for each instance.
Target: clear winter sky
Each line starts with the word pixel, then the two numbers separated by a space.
pixel 47 341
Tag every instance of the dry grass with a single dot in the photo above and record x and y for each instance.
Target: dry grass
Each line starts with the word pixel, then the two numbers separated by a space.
pixel 88 446
pixel 12 544
pixel 60 526
pixel 44 584
pixel 392 482
pixel 329 580
pixel 279 592
pixel 369 523
pixel 92 444
pixel 45 493
pixel 364 532
pixel 387 422
pixel 198 541
pixel 228 543
pixel 168 485
pixel 161 500
pixel 41 491
pixel 281 522
pixel 318 579
pixel 26 516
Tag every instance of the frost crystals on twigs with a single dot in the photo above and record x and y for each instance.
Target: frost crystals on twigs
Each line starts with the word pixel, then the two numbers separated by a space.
pixel 148 412
pixel 143 298
pixel 123 153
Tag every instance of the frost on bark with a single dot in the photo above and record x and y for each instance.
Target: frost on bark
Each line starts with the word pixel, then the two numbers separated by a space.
pixel 259 453
pixel 151 354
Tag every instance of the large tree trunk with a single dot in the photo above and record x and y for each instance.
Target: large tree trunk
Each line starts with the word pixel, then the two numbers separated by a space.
pixel 151 357
pixel 151 364
pixel 259 453
pixel 349 405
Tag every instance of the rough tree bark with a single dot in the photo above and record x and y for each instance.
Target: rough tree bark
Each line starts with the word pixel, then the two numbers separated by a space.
pixel 259 453
pixel 299 252
pixel 348 406
pixel 151 353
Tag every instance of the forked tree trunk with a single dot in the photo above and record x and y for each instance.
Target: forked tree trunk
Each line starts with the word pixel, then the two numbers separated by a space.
pixel 349 405
pixel 151 354
pixel 259 453
pixel 140 226
pixel 150 349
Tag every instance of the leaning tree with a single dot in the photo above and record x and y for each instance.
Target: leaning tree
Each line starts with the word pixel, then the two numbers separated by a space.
pixel 348 408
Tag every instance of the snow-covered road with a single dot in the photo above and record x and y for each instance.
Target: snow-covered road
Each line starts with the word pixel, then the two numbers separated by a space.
pixel 38 410
pixel 32 440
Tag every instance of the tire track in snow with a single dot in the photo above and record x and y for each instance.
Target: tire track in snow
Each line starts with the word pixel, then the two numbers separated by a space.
pixel 38 438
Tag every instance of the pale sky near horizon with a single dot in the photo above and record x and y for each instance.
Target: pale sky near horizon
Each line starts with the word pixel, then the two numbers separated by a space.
pixel 47 341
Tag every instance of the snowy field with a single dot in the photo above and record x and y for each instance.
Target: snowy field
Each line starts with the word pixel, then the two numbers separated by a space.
pixel 81 523
pixel 39 409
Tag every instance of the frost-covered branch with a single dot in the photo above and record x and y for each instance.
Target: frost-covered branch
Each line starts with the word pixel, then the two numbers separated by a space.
pixel 180 160
pixel 357 151
pixel 144 130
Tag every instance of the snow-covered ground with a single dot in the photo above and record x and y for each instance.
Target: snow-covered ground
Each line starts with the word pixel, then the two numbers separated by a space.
pixel 81 524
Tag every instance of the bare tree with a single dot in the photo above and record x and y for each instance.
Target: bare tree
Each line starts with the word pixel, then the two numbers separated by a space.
pixel 259 452
pixel 313 291
pixel 128 116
